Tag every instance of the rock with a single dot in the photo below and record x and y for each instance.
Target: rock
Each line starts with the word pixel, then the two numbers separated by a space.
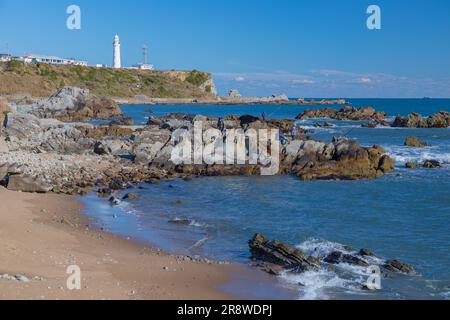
pixel 26 183
pixel 101 149
pixel 412 165
pixel 122 122
pixel 345 113
pixel 386 164
pixel 234 94
pixel 366 253
pixel 397 266
pixel 114 201
pixel 183 222
pixel 103 192
pixel 75 104
pixel 415 120
pixel 337 257
pixel 414 142
pixel 431 164
pixel 21 125
pixel 280 254
pixel 130 196
pixel 3 145
pixel 19 277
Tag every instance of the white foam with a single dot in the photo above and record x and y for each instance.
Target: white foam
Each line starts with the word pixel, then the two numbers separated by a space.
pixel 342 277
pixel 313 284
pixel 403 154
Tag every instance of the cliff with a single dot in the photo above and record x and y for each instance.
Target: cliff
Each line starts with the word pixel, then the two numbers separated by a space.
pixel 41 80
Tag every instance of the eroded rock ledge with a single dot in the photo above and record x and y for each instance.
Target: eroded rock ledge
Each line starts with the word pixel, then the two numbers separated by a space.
pixel 276 257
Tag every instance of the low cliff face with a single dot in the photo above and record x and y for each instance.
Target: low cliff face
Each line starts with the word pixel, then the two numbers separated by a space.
pixel 42 80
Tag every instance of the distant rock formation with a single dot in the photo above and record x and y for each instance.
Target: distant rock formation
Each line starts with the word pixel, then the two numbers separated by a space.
pixel 345 113
pixel 415 120
pixel 234 94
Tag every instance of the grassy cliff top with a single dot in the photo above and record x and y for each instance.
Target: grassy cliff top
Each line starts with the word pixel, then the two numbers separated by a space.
pixel 42 80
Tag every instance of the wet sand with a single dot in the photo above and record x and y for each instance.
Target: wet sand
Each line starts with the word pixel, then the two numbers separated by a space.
pixel 41 235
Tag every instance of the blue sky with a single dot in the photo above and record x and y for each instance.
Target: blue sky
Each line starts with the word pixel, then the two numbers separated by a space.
pixel 319 48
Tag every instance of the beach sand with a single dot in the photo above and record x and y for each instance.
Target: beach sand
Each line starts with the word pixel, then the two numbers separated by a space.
pixel 42 234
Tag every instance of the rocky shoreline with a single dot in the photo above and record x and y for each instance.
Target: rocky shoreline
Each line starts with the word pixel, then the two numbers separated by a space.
pixel 45 154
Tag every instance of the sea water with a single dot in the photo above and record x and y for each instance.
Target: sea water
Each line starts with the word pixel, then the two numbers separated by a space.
pixel 404 215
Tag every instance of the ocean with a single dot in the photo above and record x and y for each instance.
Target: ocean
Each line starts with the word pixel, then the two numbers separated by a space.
pixel 404 215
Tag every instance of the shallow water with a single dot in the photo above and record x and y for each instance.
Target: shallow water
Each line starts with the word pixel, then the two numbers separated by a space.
pixel 404 215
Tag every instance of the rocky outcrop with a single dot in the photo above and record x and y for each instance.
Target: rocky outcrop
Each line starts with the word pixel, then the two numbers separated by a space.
pixel 71 156
pixel 345 113
pixel 75 104
pixel 431 164
pixel 275 257
pixel 26 183
pixel 415 120
pixel 342 159
pixel 414 142
pixel 280 254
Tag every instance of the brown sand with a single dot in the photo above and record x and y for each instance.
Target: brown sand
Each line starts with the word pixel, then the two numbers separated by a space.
pixel 41 235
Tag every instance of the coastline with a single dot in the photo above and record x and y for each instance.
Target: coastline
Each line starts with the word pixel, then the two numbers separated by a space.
pixel 40 241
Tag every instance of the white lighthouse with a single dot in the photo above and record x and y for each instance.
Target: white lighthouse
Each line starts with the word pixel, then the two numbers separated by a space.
pixel 117 62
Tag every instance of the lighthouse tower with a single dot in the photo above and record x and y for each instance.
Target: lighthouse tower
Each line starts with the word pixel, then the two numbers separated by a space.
pixel 117 62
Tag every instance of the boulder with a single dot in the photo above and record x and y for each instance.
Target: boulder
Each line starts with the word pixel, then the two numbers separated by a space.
pixel 431 164
pixel 280 254
pixel 397 266
pixel 414 142
pixel 412 165
pixel 75 104
pixel 337 257
pixel 101 149
pixel 130 196
pixel 26 183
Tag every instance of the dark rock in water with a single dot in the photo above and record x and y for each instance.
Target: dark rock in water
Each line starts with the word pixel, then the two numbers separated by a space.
pixel 178 202
pixel 431 164
pixel 397 266
pixel 280 254
pixel 337 257
pixel 114 201
pixel 412 165
pixel 183 222
pixel 130 196
pixel 366 253
pixel 415 142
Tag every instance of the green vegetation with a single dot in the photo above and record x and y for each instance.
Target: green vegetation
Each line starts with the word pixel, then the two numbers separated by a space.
pixel 42 80
pixel 197 78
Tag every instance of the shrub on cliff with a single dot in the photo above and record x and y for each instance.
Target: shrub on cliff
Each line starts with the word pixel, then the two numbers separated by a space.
pixel 197 78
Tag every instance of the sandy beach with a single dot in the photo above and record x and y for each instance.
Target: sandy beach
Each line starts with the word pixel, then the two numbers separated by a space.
pixel 42 234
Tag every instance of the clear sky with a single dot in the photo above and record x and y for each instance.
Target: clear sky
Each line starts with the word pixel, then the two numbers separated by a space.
pixel 319 48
